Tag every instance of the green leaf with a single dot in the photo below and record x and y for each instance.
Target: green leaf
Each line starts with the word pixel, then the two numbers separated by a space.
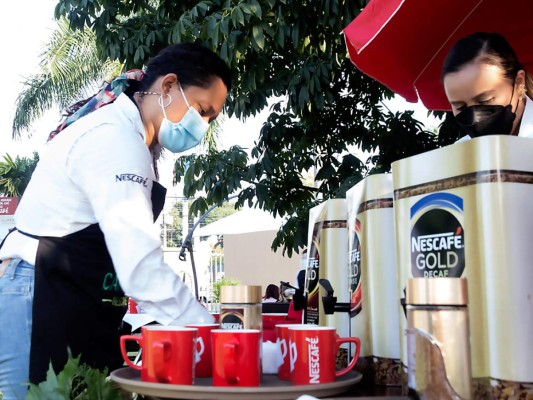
pixel 75 381
pixel 255 7
pixel 214 34
pixel 139 54
pixel 266 163
pixel 211 23
pixel 150 38
pixel 203 6
pixel 239 15
pixel 326 172
pixel 224 26
pixel 224 51
pixel 261 192
pixel 198 206
pixel 303 97
pixel 295 33
pixel 258 36
pixel 246 8
pixel 281 36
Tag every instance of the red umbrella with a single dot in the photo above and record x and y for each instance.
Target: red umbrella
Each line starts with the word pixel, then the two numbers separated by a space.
pixel 402 43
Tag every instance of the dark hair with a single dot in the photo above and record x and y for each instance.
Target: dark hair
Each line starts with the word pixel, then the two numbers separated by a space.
pixel 272 291
pixel 194 64
pixel 488 48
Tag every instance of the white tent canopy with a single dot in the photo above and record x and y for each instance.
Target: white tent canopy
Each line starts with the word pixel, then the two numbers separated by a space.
pixel 243 221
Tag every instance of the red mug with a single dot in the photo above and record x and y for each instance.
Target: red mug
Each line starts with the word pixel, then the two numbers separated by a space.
pixel 313 351
pixel 283 338
pixel 168 354
pixel 236 357
pixel 204 365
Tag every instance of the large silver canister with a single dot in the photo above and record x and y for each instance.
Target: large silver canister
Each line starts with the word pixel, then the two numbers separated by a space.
pixel 464 210
pixel 438 339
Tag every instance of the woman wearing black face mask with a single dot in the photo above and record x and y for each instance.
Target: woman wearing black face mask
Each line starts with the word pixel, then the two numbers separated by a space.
pixel 488 89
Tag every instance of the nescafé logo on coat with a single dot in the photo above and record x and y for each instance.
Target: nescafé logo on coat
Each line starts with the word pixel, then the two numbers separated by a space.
pixel 131 178
pixel 437 236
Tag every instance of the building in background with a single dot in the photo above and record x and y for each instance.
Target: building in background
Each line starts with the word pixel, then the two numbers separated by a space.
pixel 246 238
pixel 8 205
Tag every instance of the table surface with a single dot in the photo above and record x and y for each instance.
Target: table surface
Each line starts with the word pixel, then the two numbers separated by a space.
pixel 359 391
pixel 365 391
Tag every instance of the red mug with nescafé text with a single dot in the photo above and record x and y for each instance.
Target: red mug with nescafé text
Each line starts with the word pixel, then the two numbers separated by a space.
pixel 168 354
pixel 236 357
pixel 283 339
pixel 204 367
pixel 313 351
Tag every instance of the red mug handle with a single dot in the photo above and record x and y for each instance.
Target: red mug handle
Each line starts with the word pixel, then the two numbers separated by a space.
pixel 123 340
pixel 162 351
pixel 355 357
pixel 230 362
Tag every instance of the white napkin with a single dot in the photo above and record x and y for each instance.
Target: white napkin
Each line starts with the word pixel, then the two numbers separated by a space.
pixel 137 320
pixel 271 357
pixel 306 397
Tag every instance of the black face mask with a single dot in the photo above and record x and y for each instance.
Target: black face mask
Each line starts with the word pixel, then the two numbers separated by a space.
pixel 482 120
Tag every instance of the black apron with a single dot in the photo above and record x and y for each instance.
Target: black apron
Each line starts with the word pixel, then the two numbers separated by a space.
pixel 78 303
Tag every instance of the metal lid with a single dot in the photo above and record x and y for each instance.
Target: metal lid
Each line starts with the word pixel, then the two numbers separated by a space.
pixel 437 291
pixel 240 294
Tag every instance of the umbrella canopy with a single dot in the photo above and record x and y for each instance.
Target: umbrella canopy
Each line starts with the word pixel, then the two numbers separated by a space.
pixel 243 221
pixel 403 43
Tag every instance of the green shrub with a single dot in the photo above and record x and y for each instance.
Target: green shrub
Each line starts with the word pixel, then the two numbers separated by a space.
pixel 75 381
pixel 222 282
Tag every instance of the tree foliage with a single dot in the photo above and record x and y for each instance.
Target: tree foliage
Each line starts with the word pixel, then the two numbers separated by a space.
pixel 173 230
pixel 288 50
pixel 15 174
pixel 69 70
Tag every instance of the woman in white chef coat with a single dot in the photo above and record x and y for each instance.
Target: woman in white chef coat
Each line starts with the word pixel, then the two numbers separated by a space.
pixel 488 88
pixel 85 238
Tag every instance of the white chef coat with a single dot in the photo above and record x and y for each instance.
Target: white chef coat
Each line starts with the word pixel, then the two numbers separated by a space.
pixel 100 170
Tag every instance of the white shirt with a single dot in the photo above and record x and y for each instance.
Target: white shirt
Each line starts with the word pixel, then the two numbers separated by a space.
pixel 269 300
pixel 99 170
pixel 526 125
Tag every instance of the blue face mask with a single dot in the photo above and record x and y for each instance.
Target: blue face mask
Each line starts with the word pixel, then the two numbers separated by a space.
pixel 182 135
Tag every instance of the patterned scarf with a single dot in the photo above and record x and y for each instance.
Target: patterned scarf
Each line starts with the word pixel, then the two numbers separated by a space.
pixel 105 96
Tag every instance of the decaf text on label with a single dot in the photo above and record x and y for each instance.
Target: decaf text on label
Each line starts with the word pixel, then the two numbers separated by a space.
pixel 437 237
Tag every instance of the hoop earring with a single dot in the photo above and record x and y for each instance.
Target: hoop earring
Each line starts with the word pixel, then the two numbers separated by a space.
pixel 161 102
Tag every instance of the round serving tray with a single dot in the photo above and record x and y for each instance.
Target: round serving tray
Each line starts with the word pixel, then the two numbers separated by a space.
pixel 271 387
